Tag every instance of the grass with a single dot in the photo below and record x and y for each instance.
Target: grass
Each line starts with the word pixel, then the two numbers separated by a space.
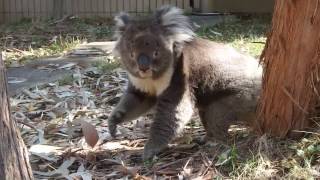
pixel 66 80
pixel 27 40
pixel 247 35
pixel 57 47
pixel 106 65
pixel 271 158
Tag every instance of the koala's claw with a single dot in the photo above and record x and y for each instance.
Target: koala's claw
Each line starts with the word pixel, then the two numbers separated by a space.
pixel 151 149
pixel 112 129
pixel 112 123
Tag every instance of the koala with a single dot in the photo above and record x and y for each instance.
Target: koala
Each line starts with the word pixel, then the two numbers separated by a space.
pixel 176 73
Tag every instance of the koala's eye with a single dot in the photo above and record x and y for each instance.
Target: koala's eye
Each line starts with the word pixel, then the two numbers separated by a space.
pixel 155 54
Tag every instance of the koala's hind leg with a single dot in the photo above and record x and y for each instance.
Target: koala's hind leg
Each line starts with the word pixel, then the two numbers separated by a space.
pixel 217 118
pixel 132 105
pixel 219 115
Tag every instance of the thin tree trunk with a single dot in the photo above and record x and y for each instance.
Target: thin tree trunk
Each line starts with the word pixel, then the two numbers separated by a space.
pixel 292 64
pixel 14 161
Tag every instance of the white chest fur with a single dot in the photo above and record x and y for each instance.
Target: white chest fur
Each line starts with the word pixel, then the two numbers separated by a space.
pixel 153 86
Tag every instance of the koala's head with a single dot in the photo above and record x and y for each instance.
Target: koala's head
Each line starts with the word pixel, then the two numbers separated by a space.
pixel 149 46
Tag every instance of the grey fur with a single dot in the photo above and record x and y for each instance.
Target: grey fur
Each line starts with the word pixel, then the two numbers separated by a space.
pixel 121 20
pixel 178 27
pixel 187 73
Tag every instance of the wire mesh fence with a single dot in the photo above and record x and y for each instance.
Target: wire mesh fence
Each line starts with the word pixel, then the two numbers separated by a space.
pixel 14 10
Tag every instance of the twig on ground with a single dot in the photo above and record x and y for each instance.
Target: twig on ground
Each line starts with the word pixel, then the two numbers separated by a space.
pixel 27 124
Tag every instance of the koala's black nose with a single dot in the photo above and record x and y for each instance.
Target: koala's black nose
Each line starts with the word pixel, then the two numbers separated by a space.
pixel 144 62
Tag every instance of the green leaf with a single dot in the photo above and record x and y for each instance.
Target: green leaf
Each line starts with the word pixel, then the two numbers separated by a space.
pixel 300 153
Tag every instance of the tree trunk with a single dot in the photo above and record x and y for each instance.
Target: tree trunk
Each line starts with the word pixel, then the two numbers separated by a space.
pixel 291 61
pixel 14 161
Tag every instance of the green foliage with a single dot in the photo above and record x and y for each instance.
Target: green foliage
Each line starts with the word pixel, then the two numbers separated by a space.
pixel 246 35
pixel 107 64
pixel 308 150
pixel 28 39
pixel 58 46
pixel 67 80
pixel 228 158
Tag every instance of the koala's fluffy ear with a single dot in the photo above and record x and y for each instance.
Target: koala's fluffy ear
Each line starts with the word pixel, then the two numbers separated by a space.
pixel 121 21
pixel 176 26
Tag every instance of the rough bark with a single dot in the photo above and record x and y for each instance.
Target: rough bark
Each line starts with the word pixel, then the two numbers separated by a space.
pixel 292 64
pixel 14 161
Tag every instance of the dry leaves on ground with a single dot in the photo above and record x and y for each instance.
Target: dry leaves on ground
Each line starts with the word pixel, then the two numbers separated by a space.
pixel 65 130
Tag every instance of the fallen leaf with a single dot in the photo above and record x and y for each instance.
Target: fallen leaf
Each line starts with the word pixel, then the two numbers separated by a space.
pixel 77 175
pixel 16 80
pixel 89 132
pixel 67 66
pixel 44 149
pixel 81 172
pixel 61 171
pixel 113 146
pixel 31 94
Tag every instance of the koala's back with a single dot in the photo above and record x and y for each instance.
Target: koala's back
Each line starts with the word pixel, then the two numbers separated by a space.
pixel 217 70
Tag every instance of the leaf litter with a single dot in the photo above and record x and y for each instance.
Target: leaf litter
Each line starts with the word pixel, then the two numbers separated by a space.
pixel 64 126
pixel 65 129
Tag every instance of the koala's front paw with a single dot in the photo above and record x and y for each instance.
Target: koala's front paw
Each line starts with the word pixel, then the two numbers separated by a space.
pixel 112 128
pixel 151 149
pixel 113 121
